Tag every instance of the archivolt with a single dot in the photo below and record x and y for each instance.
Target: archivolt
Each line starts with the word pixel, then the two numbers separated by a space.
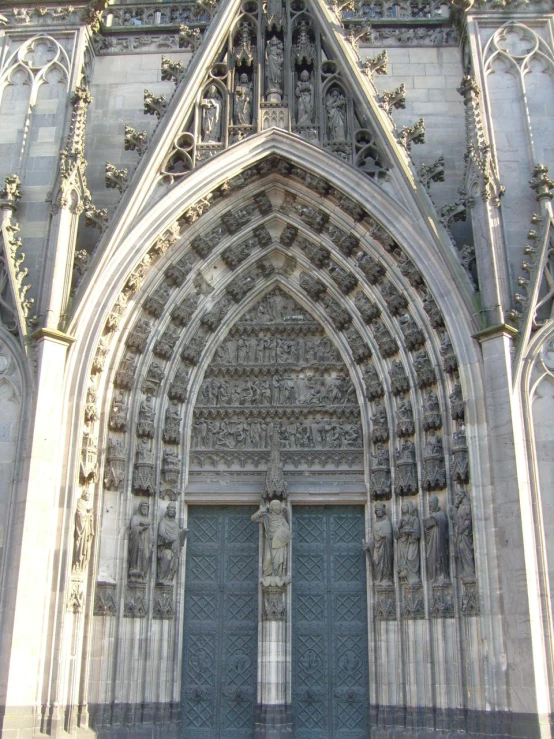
pixel 266 226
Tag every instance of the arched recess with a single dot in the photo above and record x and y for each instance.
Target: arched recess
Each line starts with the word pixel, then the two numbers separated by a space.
pixel 375 284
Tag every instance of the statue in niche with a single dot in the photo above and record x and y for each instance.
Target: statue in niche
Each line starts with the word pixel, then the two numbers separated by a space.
pixel 274 65
pixel 435 527
pixel 408 534
pixel 380 547
pixel 83 532
pixel 170 542
pixel 274 518
pixel 243 101
pixel 463 534
pixel 305 95
pixel 335 105
pixel 211 115
pixel 139 544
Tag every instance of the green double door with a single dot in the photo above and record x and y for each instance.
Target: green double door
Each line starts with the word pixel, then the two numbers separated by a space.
pixel 329 624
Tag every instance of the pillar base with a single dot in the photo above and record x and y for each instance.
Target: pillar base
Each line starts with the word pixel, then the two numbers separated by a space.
pixel 272 722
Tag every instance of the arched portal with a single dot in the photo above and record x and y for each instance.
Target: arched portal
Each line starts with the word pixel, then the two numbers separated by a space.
pixel 381 418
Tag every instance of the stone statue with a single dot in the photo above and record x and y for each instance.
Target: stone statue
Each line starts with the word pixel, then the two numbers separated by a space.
pixel 274 65
pixel 408 534
pixel 211 106
pixel 463 536
pixel 243 101
pixel 380 547
pixel 436 543
pixel 170 542
pixel 277 534
pixel 83 533
pixel 335 104
pixel 305 95
pixel 139 544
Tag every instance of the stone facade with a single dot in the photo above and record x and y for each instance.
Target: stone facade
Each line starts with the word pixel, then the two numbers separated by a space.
pixel 291 252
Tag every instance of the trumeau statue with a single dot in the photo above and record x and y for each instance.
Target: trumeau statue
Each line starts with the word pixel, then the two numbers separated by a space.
pixel 274 65
pixel 408 534
pixel 305 95
pixel 277 536
pixel 211 105
pixel 436 543
pixel 139 544
pixel 243 101
pixel 170 542
pixel 84 533
pixel 275 517
pixel 380 547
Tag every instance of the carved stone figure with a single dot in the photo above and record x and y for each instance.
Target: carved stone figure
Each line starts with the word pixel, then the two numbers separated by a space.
pixel 143 476
pixel 434 471
pixel 170 542
pixel 125 375
pixel 457 403
pixel 83 532
pixel 380 546
pixel 114 471
pixel 406 469
pixel 431 412
pixel 380 473
pixel 277 535
pixel 449 358
pixel 405 419
pixel 140 550
pixel 463 534
pixel 335 105
pixel 398 378
pixel 274 66
pixel 424 369
pixel 171 466
pixel 153 379
pixel 145 423
pixel 460 457
pixel 305 94
pixel 435 527
pixel 374 386
pixel 380 424
pixel 243 101
pixel 211 105
pixel 118 413
pixel 408 534
pixel 172 427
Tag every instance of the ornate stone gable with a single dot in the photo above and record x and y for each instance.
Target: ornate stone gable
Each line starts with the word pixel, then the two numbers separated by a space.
pixel 276 372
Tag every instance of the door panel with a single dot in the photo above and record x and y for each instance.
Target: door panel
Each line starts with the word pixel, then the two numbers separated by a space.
pixel 330 680
pixel 221 623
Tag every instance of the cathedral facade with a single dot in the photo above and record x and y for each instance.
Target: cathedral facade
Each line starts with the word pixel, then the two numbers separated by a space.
pixel 276 369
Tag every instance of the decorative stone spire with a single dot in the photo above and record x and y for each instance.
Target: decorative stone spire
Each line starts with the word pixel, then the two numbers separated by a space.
pixel 275 486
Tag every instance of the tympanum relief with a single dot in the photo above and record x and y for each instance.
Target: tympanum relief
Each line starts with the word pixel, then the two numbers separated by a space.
pixel 276 363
